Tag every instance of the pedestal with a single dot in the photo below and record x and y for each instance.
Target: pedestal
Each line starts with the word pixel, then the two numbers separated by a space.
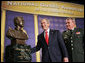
pixel 18 53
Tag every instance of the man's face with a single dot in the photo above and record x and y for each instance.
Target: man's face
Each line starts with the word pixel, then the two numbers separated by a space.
pixel 21 24
pixel 69 24
pixel 18 21
pixel 44 24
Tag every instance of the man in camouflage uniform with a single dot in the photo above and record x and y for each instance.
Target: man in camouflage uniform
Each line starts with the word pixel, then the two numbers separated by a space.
pixel 74 41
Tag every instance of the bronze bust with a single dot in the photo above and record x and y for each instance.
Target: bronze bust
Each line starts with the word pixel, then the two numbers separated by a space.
pixel 18 35
pixel 18 51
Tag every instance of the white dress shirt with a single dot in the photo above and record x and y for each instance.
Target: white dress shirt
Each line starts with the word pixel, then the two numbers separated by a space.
pixel 47 32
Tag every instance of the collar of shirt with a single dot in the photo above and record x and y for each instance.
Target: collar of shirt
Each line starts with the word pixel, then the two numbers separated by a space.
pixel 73 29
pixel 47 33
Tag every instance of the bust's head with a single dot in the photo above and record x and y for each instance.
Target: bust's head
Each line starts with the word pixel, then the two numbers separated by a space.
pixel 19 21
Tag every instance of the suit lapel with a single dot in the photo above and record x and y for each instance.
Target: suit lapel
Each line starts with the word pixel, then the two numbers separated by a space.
pixel 43 39
pixel 50 36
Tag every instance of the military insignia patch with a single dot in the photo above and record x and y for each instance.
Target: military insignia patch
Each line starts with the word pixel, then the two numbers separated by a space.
pixel 77 32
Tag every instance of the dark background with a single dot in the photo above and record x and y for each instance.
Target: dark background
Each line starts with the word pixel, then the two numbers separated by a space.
pixel 74 1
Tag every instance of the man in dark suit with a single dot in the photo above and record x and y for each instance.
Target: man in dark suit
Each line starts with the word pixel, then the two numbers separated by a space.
pixel 74 40
pixel 52 44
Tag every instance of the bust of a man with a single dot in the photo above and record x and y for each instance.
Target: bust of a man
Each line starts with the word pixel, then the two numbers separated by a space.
pixel 17 35
pixel 18 51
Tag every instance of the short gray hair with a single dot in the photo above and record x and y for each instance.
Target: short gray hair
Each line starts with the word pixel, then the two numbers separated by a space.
pixel 73 20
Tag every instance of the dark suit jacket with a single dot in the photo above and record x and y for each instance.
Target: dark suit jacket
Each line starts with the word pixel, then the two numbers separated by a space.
pixel 56 46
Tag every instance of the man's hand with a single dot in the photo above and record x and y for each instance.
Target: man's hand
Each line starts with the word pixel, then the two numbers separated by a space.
pixel 65 59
